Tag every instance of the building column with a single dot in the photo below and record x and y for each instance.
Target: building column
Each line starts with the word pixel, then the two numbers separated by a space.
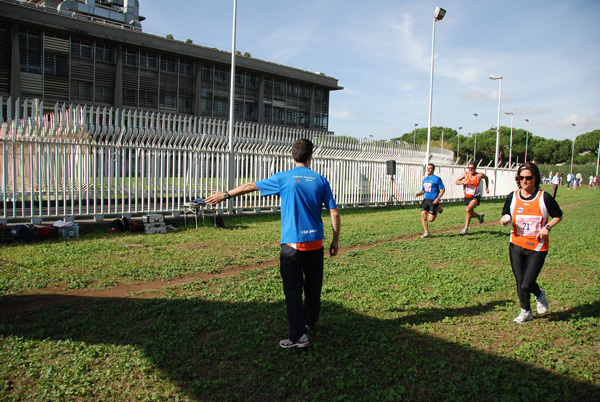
pixel 311 113
pixel 118 102
pixel 198 86
pixel 261 99
pixel 15 65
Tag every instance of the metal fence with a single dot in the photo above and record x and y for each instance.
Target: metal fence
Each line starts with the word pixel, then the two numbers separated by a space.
pixel 78 161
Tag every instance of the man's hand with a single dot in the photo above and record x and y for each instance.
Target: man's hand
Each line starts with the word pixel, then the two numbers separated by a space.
pixel 333 248
pixel 215 198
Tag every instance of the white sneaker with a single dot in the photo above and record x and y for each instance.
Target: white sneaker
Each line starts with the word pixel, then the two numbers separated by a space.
pixel 480 217
pixel 464 231
pixel 542 303
pixel 302 343
pixel 526 315
pixel 425 235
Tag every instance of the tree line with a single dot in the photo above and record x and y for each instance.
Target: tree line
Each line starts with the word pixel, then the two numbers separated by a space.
pixel 539 149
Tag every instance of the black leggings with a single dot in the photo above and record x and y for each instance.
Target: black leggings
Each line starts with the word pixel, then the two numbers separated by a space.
pixel 526 266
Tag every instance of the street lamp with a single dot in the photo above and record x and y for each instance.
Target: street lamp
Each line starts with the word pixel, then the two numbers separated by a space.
pixel 231 165
pixel 438 16
pixel 475 144
pixel 511 133
pixel 497 77
pixel 526 140
pixel 573 150
pixel 415 134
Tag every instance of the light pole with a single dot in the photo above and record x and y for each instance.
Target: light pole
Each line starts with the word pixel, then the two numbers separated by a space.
pixel 437 16
pixel 458 150
pixel 415 135
pixel 497 77
pixel 231 165
pixel 511 133
pixel 573 150
pixel 475 144
pixel 526 140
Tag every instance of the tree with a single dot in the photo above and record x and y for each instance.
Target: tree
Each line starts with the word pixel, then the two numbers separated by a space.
pixel 588 143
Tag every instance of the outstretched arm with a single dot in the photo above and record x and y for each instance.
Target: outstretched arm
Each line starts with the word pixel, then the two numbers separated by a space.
pixel 219 196
pixel 461 180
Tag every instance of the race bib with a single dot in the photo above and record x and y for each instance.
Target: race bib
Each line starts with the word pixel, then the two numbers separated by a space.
pixel 427 187
pixel 470 189
pixel 528 225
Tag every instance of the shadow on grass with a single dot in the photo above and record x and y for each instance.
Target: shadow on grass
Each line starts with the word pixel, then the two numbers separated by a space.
pixel 229 351
pixel 430 315
pixel 576 313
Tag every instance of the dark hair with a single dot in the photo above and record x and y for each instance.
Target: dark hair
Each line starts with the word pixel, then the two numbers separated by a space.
pixel 532 167
pixel 302 150
pixel 471 163
pixel 432 165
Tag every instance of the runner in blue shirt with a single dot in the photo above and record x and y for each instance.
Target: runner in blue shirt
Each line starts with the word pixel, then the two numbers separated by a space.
pixel 303 194
pixel 433 188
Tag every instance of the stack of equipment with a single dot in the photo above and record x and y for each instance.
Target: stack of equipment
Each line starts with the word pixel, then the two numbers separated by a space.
pixel 154 223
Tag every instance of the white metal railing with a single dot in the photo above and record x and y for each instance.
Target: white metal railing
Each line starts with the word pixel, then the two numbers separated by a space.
pixel 75 161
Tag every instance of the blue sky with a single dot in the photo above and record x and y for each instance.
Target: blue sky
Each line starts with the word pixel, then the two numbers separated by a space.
pixel 548 52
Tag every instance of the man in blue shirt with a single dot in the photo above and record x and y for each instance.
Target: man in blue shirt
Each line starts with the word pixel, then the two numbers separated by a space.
pixel 433 188
pixel 303 194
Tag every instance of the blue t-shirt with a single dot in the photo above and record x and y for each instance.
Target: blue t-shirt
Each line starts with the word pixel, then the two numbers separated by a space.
pixel 303 194
pixel 432 186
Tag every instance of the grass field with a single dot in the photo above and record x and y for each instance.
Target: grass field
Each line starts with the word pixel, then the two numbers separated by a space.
pixel 197 315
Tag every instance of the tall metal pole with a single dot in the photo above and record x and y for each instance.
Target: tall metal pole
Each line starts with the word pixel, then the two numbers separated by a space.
pixel 439 14
pixel 573 150
pixel 458 150
pixel 526 140
pixel 475 134
pixel 415 134
pixel 426 162
pixel 231 165
pixel 598 159
pixel 497 77
pixel 498 128
pixel 511 136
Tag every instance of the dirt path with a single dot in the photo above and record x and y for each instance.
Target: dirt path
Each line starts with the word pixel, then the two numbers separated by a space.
pixel 51 296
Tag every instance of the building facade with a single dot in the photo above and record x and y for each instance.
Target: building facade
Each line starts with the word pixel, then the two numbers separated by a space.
pixel 74 52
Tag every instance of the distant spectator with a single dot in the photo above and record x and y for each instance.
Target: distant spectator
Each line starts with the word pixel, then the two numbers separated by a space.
pixel 579 179
pixel 555 183
pixel 570 179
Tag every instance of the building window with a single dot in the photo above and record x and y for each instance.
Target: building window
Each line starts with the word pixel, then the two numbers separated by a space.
pixel 30 43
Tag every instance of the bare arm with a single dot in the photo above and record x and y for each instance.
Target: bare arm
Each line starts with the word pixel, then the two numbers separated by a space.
pixel 553 222
pixel 437 200
pixel 218 196
pixel 487 182
pixel 461 180
pixel 336 225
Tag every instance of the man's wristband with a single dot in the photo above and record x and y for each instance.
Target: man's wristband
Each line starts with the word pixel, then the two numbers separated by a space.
pixel 227 195
pixel 548 227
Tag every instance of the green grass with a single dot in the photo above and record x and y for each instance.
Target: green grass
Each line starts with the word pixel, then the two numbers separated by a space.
pixel 403 318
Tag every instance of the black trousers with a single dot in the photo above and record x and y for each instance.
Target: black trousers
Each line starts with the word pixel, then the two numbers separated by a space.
pixel 302 273
pixel 526 266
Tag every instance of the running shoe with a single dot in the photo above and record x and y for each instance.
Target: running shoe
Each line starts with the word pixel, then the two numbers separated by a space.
pixel 481 215
pixel 425 235
pixel 440 210
pixel 464 231
pixel 526 315
pixel 542 303
pixel 302 343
